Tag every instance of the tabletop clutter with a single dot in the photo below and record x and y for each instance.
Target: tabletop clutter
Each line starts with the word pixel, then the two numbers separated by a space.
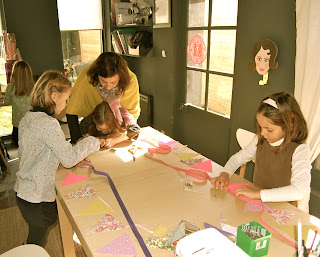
pixel 187 239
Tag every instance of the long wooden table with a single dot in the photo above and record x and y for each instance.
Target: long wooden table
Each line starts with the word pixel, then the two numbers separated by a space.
pixel 153 195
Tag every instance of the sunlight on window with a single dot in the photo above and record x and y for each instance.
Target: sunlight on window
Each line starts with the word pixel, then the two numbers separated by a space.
pixel 222 50
pixel 80 47
pixel 220 93
pixel 215 82
pixel 196 88
pixel 224 12
pixel 198 13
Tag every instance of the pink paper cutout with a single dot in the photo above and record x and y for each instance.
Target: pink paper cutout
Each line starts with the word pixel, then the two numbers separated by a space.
pixel 232 188
pixel 72 179
pixel 122 245
pixel 206 165
pixel 168 143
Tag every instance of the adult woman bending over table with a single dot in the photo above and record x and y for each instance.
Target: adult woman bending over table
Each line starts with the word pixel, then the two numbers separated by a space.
pixel 107 77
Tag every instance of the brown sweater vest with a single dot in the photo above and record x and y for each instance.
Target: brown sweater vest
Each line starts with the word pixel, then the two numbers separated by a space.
pixel 272 169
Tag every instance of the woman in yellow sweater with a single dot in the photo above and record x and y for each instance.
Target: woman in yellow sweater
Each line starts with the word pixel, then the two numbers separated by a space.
pixel 108 76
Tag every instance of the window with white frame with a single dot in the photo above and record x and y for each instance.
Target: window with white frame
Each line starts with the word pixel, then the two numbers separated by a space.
pixel 81 33
pixel 212 26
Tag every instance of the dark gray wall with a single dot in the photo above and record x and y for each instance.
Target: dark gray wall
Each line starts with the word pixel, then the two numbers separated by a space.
pixel 36 27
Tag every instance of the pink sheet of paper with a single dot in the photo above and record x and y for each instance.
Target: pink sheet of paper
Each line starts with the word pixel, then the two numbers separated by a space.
pixel 232 188
pixel 72 179
pixel 206 165
pixel 122 245
pixel 168 143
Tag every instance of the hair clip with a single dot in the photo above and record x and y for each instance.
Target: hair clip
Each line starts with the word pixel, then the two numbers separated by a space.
pixel 271 102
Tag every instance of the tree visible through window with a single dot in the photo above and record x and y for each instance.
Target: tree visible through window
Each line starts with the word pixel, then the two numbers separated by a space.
pixel 211 32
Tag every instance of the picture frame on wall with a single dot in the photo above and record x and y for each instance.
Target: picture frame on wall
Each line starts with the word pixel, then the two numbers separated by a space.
pixel 162 14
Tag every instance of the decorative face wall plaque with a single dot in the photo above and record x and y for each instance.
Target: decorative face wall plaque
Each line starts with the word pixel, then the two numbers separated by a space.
pixel 264 54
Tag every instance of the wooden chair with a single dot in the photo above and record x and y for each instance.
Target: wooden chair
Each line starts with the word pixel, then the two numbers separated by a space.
pixel 244 137
pixel 2 155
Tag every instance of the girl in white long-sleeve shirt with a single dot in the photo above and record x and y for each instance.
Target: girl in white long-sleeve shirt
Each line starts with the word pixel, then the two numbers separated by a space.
pixel 282 158
pixel 42 148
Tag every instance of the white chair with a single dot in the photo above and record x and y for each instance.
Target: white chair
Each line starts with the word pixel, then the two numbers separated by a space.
pixel 244 137
pixel 28 250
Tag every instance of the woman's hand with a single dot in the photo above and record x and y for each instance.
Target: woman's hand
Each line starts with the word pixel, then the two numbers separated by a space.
pixel 221 182
pixel 247 192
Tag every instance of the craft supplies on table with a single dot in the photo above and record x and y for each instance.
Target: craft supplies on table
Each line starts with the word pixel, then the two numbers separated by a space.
pixel 155 198
pixel 209 243
pixel 254 239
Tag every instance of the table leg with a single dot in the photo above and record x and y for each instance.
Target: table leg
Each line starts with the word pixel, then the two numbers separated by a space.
pixel 66 232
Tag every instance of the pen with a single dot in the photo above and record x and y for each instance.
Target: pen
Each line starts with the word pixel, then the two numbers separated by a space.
pixel 299 236
pixel 314 238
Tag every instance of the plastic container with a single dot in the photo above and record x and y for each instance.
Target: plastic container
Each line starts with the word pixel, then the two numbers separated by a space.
pixel 254 239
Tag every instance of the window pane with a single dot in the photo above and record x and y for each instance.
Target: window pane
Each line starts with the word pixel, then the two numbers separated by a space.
pixel 80 47
pixel 222 50
pixel 224 12
pixel 198 13
pixel 6 120
pixel 197 48
pixel 220 94
pixel 196 87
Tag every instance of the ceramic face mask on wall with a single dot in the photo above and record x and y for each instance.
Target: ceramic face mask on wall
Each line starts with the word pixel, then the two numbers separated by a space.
pixel 264 54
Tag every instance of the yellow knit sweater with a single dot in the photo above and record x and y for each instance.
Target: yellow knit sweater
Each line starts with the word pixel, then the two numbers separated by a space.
pixel 85 97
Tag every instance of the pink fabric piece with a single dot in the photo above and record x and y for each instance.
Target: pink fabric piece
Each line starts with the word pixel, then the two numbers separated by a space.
pixel 168 143
pixel 84 192
pixel 122 245
pixel 114 104
pixel 72 179
pixel 252 207
pixel 106 223
pixel 282 216
pixel 119 112
pixel 206 165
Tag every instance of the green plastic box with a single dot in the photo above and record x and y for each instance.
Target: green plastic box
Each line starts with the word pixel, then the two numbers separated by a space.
pixel 253 247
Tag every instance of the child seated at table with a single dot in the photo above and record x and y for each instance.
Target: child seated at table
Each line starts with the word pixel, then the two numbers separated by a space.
pixel 42 147
pixel 115 125
pixel 282 158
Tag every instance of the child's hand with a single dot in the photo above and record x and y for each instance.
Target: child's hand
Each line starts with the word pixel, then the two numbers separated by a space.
pixel 84 163
pixel 221 182
pixel 247 192
pixel 108 143
pixel 102 142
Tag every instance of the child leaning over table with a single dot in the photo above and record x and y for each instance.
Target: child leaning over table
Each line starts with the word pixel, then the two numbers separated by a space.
pixel 282 158
pixel 111 121
pixel 42 148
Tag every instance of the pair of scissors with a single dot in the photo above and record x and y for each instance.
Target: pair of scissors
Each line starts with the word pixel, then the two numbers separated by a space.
pixel 133 150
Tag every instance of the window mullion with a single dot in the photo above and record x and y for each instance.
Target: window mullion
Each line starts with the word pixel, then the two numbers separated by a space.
pixel 208 56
